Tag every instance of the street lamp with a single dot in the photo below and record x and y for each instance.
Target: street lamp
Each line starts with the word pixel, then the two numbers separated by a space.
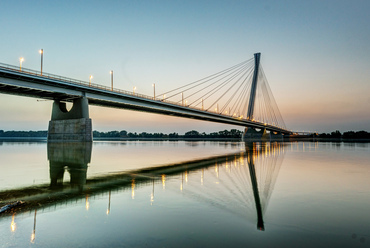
pixel 134 90
pixel 111 78
pixel 42 56
pixel 21 59
pixel 154 91
pixel 90 80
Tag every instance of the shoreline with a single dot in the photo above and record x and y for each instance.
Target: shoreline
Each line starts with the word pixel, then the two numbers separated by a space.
pixel 44 139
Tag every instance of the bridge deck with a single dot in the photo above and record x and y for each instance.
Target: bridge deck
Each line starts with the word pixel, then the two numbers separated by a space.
pixel 53 87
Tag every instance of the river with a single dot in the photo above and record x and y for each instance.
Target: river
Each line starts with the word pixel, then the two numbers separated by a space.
pixel 185 194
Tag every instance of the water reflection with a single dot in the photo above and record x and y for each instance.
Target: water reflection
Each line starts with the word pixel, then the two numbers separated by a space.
pixel 108 209
pixel 72 157
pixel 312 201
pixel 12 224
pixel 240 183
pixel 269 159
pixel 33 235
pixel 250 150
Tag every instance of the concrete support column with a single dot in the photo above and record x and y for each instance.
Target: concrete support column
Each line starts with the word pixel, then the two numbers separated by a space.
pixel 251 134
pixel 73 125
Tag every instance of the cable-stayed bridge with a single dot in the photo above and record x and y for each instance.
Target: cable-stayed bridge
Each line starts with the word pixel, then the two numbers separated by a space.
pixel 239 95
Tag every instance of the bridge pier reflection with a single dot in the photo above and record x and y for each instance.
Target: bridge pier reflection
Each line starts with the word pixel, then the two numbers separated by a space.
pixel 74 157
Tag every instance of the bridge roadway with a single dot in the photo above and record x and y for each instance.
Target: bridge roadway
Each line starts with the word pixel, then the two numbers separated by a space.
pixel 30 83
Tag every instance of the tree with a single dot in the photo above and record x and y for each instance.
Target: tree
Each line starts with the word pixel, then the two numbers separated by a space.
pixel 192 134
pixel 336 134
pixel 173 135
pixel 123 133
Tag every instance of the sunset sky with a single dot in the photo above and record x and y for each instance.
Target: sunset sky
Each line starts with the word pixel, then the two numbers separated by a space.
pixel 315 54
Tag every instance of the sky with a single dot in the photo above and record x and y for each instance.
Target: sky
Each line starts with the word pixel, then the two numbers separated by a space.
pixel 315 54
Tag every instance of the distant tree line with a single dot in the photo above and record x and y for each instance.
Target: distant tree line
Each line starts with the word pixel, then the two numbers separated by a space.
pixel 23 133
pixel 233 133
pixel 345 135
pixel 125 134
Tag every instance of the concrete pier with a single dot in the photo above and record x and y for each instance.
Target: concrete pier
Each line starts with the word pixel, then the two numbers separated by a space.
pixel 251 134
pixel 73 125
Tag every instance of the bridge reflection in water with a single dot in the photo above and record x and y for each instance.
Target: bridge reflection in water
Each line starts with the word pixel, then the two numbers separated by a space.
pixel 72 156
pixel 240 183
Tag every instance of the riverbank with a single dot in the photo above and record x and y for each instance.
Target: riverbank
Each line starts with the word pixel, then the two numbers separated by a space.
pixel 44 139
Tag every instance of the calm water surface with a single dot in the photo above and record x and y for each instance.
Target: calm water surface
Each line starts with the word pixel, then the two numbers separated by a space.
pixel 185 194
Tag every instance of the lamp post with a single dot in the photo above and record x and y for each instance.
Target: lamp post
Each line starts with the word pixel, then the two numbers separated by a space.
pixel 21 59
pixel 134 90
pixel 154 91
pixel 111 78
pixel 90 80
pixel 42 57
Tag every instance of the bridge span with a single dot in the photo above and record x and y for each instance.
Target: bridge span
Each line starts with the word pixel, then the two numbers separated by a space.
pixel 31 83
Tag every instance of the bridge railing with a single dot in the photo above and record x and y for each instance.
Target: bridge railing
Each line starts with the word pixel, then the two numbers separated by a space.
pixel 85 83
pixel 106 88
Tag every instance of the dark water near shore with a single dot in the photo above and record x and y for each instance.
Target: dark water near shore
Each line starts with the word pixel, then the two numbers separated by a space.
pixel 185 194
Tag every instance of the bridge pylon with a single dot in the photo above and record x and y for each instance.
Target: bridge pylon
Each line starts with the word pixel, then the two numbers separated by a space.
pixel 252 98
pixel 251 134
pixel 73 125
